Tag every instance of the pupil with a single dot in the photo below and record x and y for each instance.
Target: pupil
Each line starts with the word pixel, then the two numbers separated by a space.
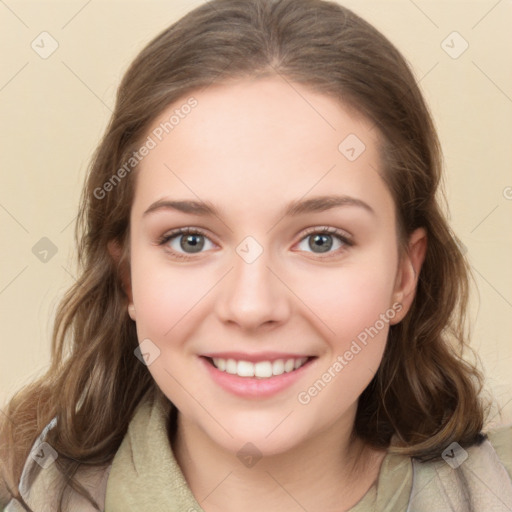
pixel 325 242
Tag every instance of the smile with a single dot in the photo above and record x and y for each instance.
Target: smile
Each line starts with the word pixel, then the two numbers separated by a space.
pixel 261 369
pixel 256 376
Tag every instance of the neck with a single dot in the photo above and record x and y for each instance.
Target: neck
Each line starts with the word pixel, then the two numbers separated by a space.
pixel 312 476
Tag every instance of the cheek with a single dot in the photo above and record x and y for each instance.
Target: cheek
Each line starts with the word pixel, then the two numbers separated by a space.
pixel 350 298
pixel 164 301
pixel 163 296
pixel 355 314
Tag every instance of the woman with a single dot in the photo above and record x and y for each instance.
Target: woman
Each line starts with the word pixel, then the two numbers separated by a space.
pixel 247 369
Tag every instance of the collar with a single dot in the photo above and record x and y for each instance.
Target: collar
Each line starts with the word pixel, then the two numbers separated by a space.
pixel 145 474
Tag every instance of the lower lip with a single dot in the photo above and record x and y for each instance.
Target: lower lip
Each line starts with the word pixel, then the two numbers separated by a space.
pixel 253 387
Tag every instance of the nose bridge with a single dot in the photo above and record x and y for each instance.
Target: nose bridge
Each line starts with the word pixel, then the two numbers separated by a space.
pixel 252 295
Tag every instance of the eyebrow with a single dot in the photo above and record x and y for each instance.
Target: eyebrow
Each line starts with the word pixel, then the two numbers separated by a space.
pixel 294 208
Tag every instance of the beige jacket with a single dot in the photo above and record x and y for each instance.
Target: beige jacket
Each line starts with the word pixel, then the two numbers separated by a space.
pixel 144 476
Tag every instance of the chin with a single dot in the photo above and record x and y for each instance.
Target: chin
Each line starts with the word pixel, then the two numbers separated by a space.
pixel 265 438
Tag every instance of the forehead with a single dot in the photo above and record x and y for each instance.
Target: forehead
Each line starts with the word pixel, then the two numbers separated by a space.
pixel 253 142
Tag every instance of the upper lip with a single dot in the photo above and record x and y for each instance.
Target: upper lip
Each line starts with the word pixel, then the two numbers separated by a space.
pixel 254 358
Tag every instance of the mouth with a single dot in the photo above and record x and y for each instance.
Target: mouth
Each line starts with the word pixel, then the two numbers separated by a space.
pixel 259 370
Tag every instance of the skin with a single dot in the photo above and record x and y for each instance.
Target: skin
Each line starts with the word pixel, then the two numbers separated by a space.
pixel 250 147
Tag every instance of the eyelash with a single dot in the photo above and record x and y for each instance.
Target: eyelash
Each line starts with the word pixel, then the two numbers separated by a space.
pixel 341 235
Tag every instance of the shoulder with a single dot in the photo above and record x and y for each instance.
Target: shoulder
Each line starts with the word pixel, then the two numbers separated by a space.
pixel 476 478
pixel 41 487
pixel 501 440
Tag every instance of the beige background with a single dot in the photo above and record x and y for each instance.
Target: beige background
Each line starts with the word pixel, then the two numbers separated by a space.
pixel 54 111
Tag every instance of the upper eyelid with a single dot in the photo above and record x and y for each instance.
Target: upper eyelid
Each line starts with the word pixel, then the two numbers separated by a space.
pixel 186 230
pixel 328 230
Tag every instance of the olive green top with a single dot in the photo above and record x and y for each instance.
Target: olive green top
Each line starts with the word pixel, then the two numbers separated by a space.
pixel 144 475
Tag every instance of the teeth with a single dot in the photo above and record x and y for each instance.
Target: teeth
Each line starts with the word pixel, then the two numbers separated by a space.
pixel 245 369
pixel 220 364
pixel 231 366
pixel 278 367
pixel 262 369
pixel 289 365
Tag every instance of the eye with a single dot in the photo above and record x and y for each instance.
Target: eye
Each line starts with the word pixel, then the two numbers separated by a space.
pixel 324 238
pixel 185 241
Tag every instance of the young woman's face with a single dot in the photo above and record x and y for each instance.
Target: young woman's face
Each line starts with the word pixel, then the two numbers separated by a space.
pixel 256 283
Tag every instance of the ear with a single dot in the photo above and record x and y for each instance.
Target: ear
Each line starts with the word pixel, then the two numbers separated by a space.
pixel 408 272
pixel 116 251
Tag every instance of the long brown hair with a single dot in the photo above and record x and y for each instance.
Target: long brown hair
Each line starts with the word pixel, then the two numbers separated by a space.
pixel 424 393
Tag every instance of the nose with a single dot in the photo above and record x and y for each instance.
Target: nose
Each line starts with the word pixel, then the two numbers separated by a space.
pixel 252 295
